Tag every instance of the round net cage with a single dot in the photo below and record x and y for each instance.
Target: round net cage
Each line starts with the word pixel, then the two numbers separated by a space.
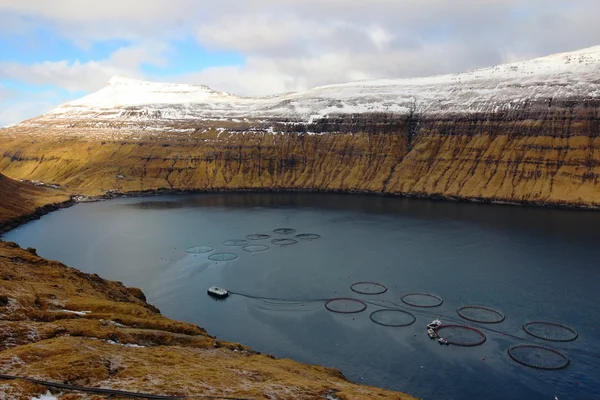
pixel 551 331
pixel 345 305
pixel 308 236
pixel 419 299
pixel 222 256
pixel 283 242
pixel 539 357
pixel 199 249
pixel 481 314
pixel 391 317
pixel 255 248
pixel 236 242
pixel 461 335
pixel 257 236
pixel 370 288
pixel 284 231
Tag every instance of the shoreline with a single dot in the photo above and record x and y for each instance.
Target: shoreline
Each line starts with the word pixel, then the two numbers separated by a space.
pixel 13 223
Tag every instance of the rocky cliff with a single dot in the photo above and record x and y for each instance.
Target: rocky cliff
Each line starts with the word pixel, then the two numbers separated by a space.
pixel 521 132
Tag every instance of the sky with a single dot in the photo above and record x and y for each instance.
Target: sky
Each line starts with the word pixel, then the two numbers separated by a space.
pixel 54 51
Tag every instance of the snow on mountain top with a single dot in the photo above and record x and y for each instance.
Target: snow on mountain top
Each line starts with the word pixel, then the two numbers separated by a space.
pixel 126 91
pixel 492 89
pixel 581 61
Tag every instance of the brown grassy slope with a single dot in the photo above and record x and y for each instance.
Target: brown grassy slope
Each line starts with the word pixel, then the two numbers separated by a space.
pixel 39 339
pixel 543 152
pixel 17 199
pixel 540 168
pixel 203 161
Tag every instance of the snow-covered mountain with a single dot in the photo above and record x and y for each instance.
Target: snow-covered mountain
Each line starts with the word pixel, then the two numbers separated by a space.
pixel 573 75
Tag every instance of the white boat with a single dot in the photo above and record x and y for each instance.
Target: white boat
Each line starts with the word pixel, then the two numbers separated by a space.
pixel 217 292
pixel 443 341
pixel 434 324
pixel 431 333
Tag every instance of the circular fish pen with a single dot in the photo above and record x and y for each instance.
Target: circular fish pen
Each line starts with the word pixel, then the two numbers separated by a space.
pixel 257 236
pixel 461 335
pixel 369 288
pixel 345 305
pixel 236 242
pixel 481 314
pixel 199 249
pixel 308 236
pixel 551 331
pixel 284 231
pixel 222 256
pixel 255 248
pixel 538 357
pixel 421 299
pixel 392 317
pixel 283 242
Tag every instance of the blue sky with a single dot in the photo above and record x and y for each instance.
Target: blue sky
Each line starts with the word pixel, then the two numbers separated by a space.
pixel 55 51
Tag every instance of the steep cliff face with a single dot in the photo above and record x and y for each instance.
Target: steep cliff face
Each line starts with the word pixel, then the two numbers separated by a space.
pixel 521 132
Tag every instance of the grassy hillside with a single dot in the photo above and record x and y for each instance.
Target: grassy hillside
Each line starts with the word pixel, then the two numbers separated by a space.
pixel 18 199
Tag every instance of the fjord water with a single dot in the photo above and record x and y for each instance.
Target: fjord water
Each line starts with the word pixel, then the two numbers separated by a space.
pixel 529 263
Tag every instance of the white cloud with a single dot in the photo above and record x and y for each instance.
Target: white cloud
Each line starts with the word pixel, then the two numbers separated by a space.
pixel 294 45
pixel 5 93
pixel 15 108
pixel 88 76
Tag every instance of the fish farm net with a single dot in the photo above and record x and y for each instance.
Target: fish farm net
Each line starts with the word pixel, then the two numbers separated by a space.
pixel 391 317
pixel 419 299
pixel 283 242
pixel 461 335
pixel 284 231
pixel 370 288
pixel 345 305
pixel 236 242
pixel 551 331
pixel 308 236
pixel 255 248
pixel 257 236
pixel 199 249
pixel 539 357
pixel 222 256
pixel 483 315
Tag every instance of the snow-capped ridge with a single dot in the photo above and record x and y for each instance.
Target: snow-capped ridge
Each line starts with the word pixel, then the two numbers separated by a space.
pixel 573 75
pixel 118 81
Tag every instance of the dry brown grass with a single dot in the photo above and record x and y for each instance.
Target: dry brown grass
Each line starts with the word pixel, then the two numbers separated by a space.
pixel 17 198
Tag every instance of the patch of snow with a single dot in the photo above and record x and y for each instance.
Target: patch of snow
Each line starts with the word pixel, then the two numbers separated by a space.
pixel 81 313
pixel 137 346
pixel 47 396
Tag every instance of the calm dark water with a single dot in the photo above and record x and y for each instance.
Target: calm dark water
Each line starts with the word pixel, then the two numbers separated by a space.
pixel 529 263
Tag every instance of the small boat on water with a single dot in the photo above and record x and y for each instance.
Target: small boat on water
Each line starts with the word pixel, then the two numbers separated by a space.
pixel 443 341
pixel 432 333
pixel 436 323
pixel 217 292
